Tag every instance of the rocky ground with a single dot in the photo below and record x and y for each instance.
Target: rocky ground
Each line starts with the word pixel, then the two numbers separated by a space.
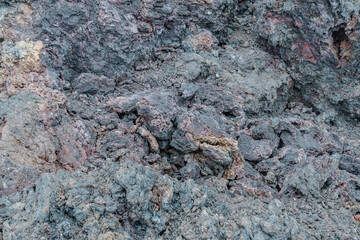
pixel 172 119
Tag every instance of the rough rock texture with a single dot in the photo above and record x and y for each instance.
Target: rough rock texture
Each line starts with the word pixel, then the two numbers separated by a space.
pixel 129 201
pixel 171 119
pixel 319 42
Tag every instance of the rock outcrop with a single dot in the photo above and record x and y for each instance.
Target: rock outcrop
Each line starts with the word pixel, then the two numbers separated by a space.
pixel 170 119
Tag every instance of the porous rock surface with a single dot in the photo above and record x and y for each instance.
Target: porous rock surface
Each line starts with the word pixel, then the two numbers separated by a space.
pixel 171 119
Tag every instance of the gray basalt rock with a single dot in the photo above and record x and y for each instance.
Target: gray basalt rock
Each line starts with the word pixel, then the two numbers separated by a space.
pixel 200 130
pixel 101 36
pixel 91 84
pixel 131 201
pixel 255 150
pixel 34 139
pixel 319 42
pixel 171 119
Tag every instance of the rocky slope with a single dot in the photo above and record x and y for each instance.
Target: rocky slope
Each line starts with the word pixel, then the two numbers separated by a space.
pixel 169 119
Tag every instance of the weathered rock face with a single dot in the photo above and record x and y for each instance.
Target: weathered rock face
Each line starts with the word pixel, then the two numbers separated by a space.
pixel 129 201
pixel 113 37
pixel 319 41
pixel 159 119
pixel 31 138
pixel 22 131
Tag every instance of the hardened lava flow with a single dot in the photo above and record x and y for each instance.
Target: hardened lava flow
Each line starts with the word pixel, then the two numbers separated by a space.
pixel 173 119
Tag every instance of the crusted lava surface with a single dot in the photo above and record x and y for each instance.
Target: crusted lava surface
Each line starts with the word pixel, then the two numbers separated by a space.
pixel 173 119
